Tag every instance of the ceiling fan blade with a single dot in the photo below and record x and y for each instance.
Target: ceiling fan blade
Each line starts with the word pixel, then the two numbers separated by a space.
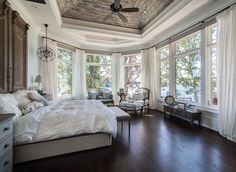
pixel 107 17
pixel 122 17
pixel 129 10
pixel 117 4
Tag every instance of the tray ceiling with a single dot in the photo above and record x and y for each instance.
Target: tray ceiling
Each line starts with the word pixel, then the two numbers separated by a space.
pixel 96 10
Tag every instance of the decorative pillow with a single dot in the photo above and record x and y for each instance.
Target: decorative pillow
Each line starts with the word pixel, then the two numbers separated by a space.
pixel 8 107
pixel 37 97
pixel 26 108
pixel 92 94
pixel 37 104
pixel 138 96
pixel 21 96
pixel 106 95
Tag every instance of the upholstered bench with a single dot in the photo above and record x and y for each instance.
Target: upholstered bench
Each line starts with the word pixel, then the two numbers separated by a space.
pixel 121 116
pixel 132 106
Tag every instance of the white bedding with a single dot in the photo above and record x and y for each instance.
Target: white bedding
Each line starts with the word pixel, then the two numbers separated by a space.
pixel 65 119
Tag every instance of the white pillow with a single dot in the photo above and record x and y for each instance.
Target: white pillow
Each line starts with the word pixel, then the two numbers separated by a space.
pixel 38 97
pixel 8 107
pixel 37 104
pixel 21 96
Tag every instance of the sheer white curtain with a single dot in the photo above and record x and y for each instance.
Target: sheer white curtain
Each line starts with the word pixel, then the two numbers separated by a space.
pixel 226 55
pixel 150 74
pixel 78 75
pixel 116 76
pixel 145 68
pixel 50 73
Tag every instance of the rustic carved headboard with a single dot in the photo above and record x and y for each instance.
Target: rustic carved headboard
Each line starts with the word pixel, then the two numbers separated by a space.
pixel 13 49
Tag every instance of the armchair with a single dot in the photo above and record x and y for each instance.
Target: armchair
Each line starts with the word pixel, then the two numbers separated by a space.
pixel 138 101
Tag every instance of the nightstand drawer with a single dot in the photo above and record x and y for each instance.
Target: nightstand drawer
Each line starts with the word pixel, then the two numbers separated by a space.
pixel 5 146
pixel 6 163
pixel 5 129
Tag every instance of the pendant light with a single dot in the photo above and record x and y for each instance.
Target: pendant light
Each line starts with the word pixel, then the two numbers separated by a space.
pixel 46 53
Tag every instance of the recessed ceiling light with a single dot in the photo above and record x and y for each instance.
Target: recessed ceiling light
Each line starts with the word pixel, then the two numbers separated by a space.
pixel 145 12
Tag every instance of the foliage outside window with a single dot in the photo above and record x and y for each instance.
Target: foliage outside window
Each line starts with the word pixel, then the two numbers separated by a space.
pixel 64 69
pixel 188 68
pixel 98 72
pixel 211 48
pixel 132 72
pixel 164 73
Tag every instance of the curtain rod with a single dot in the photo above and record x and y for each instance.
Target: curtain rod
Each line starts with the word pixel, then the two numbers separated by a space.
pixel 156 45
pixel 72 46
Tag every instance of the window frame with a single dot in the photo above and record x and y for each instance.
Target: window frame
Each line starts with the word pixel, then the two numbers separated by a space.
pixel 97 64
pixel 204 52
pixel 123 65
pixel 58 61
pixel 209 46
pixel 182 55
pixel 168 58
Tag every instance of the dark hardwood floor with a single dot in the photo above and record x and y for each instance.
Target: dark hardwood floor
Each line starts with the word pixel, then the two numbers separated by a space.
pixel 155 144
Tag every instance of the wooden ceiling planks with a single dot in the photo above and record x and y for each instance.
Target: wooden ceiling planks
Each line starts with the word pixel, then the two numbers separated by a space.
pixel 96 10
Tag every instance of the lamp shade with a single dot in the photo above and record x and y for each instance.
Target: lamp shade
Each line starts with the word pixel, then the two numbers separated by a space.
pixel 38 79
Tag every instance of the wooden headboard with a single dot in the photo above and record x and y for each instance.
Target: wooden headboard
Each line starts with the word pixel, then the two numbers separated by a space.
pixel 13 49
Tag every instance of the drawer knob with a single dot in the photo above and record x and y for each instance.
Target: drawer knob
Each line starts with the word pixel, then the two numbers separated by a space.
pixel 5 129
pixel 6 146
pixel 6 163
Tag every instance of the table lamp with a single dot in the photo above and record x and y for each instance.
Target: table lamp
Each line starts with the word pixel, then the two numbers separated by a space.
pixel 38 79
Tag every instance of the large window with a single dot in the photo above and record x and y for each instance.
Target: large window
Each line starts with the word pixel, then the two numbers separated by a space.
pixel 211 65
pixel 164 75
pixel 98 71
pixel 64 72
pixel 132 72
pixel 181 72
pixel 188 68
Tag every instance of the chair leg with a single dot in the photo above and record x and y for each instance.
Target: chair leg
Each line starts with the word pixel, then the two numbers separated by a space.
pixel 122 126
pixel 129 128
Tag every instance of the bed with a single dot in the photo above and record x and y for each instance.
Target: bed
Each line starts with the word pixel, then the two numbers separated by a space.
pixel 65 127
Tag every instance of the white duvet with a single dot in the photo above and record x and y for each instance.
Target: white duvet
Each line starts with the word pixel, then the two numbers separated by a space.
pixel 65 119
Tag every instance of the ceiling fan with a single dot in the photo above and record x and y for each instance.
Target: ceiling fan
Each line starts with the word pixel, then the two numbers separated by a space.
pixel 116 8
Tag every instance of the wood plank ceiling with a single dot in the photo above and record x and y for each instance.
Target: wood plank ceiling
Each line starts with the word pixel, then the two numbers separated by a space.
pixel 96 10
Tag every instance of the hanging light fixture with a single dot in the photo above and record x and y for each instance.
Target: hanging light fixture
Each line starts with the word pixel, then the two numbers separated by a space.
pixel 46 53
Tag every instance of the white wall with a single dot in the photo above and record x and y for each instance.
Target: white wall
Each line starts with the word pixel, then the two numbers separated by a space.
pixel 33 41
pixel 33 61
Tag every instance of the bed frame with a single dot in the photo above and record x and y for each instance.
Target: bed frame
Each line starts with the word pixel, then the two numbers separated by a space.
pixel 44 149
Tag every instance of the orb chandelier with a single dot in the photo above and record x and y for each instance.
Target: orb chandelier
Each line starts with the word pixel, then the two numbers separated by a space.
pixel 46 53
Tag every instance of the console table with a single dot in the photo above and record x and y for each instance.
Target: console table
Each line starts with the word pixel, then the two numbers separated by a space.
pixel 187 114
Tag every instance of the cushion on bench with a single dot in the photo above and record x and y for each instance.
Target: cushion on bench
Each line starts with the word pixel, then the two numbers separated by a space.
pixel 120 114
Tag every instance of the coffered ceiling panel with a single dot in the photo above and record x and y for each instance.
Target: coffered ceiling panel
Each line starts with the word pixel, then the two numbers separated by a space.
pixel 97 10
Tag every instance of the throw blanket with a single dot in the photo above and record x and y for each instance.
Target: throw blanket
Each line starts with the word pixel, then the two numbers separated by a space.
pixel 67 118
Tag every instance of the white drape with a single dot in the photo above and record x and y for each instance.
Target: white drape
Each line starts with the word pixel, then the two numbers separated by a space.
pixel 150 74
pixel 116 76
pixel 50 73
pixel 226 56
pixel 145 68
pixel 78 75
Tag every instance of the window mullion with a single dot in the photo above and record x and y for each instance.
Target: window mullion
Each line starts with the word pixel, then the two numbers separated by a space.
pixel 203 67
pixel 172 70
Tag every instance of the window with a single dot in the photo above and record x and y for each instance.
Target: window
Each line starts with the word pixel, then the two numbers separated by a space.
pixel 98 72
pixel 211 63
pixel 164 74
pixel 181 73
pixel 64 69
pixel 132 72
pixel 188 68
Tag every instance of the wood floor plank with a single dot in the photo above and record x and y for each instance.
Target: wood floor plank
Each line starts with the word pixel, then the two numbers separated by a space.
pixel 155 144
